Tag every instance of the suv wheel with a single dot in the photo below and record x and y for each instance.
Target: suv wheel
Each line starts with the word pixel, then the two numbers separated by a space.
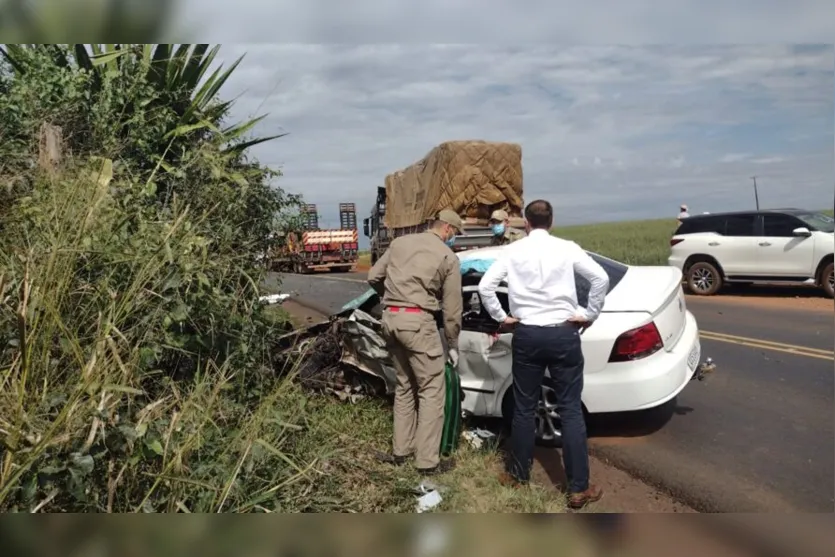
pixel 703 279
pixel 827 280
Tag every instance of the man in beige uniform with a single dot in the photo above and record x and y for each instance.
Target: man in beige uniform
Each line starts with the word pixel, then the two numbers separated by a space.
pixel 417 276
pixel 503 233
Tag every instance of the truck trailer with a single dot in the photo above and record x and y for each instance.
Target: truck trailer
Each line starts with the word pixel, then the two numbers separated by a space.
pixel 473 178
pixel 317 249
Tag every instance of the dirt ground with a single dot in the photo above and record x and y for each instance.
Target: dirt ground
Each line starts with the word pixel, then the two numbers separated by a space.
pixel 623 494
pixel 791 298
pixel 301 314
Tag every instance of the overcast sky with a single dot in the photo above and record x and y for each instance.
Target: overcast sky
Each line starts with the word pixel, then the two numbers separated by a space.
pixel 607 133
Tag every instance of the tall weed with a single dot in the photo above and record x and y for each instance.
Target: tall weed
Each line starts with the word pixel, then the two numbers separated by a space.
pixel 134 365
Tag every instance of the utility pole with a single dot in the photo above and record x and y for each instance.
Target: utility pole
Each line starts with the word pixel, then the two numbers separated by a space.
pixel 756 195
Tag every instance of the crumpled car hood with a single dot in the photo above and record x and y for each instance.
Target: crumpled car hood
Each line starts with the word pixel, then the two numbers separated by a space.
pixel 365 349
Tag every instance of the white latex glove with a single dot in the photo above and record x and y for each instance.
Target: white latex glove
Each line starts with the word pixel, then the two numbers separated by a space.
pixel 453 357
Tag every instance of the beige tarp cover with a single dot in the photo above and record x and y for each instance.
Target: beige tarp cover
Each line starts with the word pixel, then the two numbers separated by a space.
pixel 473 178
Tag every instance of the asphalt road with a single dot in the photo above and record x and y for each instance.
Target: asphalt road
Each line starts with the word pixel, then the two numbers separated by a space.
pixel 756 437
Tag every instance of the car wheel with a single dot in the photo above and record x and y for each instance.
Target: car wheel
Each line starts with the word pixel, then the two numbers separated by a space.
pixel 703 279
pixel 828 280
pixel 547 420
pixel 547 423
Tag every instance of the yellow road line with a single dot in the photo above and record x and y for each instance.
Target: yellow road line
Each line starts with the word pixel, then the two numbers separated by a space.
pixel 769 345
pixel 769 342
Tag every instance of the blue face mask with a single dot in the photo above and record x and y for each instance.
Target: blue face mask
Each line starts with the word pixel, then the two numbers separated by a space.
pixel 450 242
pixel 498 229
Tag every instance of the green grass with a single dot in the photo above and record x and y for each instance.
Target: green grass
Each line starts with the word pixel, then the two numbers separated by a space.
pixel 340 444
pixel 644 242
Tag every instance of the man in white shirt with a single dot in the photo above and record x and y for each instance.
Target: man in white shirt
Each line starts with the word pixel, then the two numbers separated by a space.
pixel 539 272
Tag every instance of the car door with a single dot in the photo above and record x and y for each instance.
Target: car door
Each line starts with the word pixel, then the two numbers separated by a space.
pixel 484 355
pixel 735 249
pixel 779 252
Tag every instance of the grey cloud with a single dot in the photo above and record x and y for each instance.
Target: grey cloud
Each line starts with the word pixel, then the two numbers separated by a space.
pixel 647 114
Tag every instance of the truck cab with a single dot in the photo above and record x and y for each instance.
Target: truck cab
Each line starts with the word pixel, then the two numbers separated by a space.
pixel 374 227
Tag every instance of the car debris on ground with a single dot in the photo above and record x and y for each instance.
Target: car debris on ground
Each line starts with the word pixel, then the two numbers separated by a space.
pixel 478 437
pixel 429 496
pixel 272 299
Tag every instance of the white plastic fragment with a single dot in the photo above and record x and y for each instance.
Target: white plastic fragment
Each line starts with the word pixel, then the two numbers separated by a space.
pixel 430 495
pixel 273 299
pixel 429 501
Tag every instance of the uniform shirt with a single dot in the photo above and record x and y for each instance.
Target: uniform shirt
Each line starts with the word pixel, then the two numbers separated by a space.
pixel 683 215
pixel 539 271
pixel 421 271
pixel 510 235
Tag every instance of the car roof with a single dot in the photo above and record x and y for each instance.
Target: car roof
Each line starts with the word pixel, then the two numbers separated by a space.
pixel 790 210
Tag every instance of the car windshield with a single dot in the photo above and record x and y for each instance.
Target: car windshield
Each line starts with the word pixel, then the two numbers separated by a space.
pixel 818 221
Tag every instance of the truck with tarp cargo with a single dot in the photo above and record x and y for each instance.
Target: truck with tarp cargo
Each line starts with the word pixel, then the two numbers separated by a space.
pixel 473 178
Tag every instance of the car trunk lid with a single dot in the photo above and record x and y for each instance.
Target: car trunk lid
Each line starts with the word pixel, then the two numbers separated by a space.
pixel 653 290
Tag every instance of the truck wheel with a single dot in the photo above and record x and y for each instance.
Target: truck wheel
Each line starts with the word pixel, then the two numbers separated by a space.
pixel 827 280
pixel 703 279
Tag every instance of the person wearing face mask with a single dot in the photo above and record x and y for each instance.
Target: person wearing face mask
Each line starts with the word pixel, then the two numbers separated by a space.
pixel 418 276
pixel 503 233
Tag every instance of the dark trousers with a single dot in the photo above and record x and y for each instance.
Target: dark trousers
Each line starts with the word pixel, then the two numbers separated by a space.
pixel 557 349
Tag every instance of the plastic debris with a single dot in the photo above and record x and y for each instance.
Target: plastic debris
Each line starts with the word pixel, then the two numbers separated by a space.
pixel 705 369
pixel 429 501
pixel 477 437
pixel 273 299
pixel 430 495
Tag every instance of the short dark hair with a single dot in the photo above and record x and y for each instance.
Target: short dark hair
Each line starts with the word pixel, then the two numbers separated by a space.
pixel 539 214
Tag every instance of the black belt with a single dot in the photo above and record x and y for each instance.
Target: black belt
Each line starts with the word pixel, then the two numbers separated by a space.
pixel 554 325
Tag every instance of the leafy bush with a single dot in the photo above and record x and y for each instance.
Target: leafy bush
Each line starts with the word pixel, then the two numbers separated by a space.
pixel 136 374
pixel 135 368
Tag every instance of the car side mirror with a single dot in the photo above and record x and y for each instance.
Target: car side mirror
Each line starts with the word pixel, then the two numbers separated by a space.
pixel 365 228
pixel 802 232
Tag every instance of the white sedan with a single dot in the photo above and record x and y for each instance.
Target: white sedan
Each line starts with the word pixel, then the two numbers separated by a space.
pixel 641 352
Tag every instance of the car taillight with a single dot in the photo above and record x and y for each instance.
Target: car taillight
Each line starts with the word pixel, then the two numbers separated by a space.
pixel 675 241
pixel 636 344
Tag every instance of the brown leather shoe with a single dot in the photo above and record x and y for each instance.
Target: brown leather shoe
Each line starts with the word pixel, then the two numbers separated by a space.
pixel 577 501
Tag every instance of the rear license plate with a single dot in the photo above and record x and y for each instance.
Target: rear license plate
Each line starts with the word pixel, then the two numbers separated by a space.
pixel 693 357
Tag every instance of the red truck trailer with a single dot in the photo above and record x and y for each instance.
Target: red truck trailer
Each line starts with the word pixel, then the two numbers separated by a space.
pixel 317 249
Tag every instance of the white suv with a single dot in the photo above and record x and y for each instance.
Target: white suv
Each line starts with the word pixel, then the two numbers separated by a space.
pixel 790 246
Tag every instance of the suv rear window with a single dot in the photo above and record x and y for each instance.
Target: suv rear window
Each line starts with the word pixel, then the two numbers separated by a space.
pixel 726 225
pixel 696 225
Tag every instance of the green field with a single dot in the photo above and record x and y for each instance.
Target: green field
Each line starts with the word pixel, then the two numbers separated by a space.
pixel 643 242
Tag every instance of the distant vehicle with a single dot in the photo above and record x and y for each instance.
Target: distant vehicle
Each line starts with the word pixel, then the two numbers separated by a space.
pixel 788 246
pixel 642 351
pixel 473 178
pixel 315 249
